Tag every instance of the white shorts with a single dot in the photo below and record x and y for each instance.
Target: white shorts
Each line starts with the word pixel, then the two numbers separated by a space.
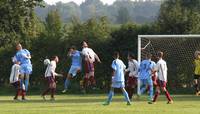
pixel 118 84
pixel 73 70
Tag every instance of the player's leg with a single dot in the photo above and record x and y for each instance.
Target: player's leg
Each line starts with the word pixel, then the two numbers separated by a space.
pixel 67 82
pixel 157 93
pixel 26 81
pixel 163 87
pixel 196 84
pixel 110 96
pixel 91 75
pixel 130 84
pixel 17 88
pixel 143 86
pixel 150 85
pixel 126 96
pixel 86 77
pixel 53 88
pixel 47 79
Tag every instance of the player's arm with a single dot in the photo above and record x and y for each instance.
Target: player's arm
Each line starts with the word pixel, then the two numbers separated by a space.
pixel 28 55
pixel 97 58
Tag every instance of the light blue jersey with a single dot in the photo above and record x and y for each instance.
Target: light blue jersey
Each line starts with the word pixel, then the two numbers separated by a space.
pixel 76 59
pixel 145 69
pixel 119 68
pixel 25 63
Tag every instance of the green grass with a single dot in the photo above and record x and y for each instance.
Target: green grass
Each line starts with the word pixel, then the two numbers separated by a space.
pixel 92 104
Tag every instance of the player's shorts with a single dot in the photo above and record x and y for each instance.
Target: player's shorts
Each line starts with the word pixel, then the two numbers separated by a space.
pixel 132 81
pixel 118 84
pixel 196 76
pixel 73 70
pixel 89 67
pixel 50 79
pixel 146 82
pixel 26 69
pixel 161 83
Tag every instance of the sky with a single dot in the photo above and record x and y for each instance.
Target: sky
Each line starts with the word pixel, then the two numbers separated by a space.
pixel 77 1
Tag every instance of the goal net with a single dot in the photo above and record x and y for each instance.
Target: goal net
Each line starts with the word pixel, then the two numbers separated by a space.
pixel 178 52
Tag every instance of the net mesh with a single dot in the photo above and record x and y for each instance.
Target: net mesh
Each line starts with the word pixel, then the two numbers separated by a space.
pixel 179 55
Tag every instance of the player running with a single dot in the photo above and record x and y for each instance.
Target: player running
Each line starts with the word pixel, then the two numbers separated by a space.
pixel 89 59
pixel 161 68
pixel 24 56
pixel 75 66
pixel 197 72
pixel 133 74
pixel 50 75
pixel 117 79
pixel 146 68
pixel 16 81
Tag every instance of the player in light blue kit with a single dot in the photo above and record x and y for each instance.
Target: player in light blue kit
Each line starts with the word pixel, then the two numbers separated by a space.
pixel 24 56
pixel 145 72
pixel 118 79
pixel 75 66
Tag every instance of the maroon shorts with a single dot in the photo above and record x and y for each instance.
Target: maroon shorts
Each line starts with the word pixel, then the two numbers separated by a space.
pixel 131 82
pixel 89 67
pixel 50 80
pixel 161 83
pixel 16 84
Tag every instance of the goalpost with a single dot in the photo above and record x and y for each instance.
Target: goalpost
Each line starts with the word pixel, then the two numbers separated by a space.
pixel 178 52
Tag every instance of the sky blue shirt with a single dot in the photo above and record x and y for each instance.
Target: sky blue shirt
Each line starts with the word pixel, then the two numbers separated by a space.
pixel 145 69
pixel 20 56
pixel 119 67
pixel 76 59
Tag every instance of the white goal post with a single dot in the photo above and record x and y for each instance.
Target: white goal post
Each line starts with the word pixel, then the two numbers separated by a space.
pixel 186 41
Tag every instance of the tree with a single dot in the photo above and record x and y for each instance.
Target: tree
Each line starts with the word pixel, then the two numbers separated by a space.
pixel 123 15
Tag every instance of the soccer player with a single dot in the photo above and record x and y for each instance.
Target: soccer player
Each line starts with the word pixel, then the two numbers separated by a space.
pixel 117 79
pixel 146 68
pixel 133 74
pixel 15 80
pixel 75 66
pixel 89 58
pixel 50 75
pixel 197 72
pixel 161 68
pixel 24 56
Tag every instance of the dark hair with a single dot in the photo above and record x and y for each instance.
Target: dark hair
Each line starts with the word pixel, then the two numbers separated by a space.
pixel 131 55
pixel 160 54
pixel 53 57
pixel 116 54
pixel 73 47
pixel 149 55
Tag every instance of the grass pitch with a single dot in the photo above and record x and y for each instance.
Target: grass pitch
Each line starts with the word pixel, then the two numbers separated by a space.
pixel 92 104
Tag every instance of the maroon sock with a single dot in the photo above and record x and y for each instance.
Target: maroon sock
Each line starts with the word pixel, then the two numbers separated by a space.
pixel 52 92
pixel 46 91
pixel 92 81
pixel 23 94
pixel 168 95
pixel 156 96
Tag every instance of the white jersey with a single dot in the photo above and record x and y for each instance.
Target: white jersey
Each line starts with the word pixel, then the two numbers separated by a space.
pixel 133 68
pixel 161 68
pixel 14 75
pixel 89 54
pixel 50 70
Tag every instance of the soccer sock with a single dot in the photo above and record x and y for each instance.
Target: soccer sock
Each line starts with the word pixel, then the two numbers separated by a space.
pixel 23 93
pixel 92 80
pixel 130 92
pixel 26 82
pixel 168 95
pixel 110 95
pixel 151 91
pixel 126 95
pixel 156 96
pixel 52 92
pixel 196 87
pixel 46 91
pixel 66 83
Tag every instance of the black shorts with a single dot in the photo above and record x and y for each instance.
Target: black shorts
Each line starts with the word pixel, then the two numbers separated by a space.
pixel 196 76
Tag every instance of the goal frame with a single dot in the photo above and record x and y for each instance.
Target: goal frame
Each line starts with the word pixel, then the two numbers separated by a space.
pixel 158 36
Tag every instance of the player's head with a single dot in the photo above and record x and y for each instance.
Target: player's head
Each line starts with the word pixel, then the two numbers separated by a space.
pixel 55 58
pixel 197 54
pixel 84 44
pixel 131 56
pixel 18 46
pixel 148 56
pixel 116 55
pixel 72 49
pixel 160 54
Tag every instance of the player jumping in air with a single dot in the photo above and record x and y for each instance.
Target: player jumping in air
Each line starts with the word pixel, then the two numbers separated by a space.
pixel 50 75
pixel 16 81
pixel 75 66
pixel 146 68
pixel 161 68
pixel 133 74
pixel 24 56
pixel 197 72
pixel 117 79
pixel 89 59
